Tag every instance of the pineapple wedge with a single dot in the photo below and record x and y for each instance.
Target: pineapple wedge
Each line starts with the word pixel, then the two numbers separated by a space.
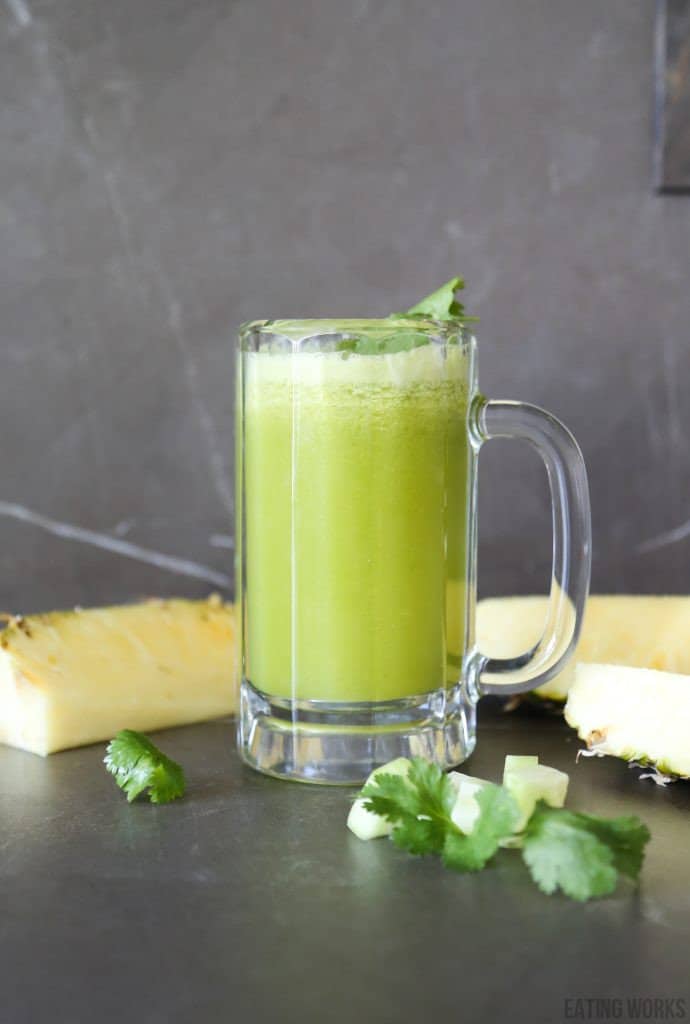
pixel 76 677
pixel 633 713
pixel 638 631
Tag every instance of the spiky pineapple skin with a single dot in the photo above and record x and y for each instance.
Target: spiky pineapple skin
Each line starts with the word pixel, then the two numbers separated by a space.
pixel 70 678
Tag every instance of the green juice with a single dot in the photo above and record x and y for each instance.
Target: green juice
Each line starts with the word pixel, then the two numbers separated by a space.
pixel 355 522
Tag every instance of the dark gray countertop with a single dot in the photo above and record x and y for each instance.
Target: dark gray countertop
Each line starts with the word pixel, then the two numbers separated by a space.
pixel 249 900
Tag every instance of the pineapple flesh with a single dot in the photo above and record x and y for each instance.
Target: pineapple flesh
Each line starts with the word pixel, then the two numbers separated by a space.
pixel 75 677
pixel 634 713
pixel 639 631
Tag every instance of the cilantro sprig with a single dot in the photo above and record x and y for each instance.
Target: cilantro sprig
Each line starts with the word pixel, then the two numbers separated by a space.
pixel 420 805
pixel 137 764
pixel 442 304
pixel 581 854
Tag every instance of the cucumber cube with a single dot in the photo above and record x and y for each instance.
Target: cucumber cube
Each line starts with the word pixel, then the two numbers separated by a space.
pixel 466 809
pixel 362 822
pixel 532 783
pixel 514 761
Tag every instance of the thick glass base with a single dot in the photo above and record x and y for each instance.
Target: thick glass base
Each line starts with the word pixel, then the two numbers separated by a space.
pixel 341 744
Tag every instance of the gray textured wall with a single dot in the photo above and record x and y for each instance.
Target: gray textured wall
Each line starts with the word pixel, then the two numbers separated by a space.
pixel 169 169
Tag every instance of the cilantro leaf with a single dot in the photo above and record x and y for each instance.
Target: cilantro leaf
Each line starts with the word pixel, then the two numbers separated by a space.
pixel 137 764
pixel 579 853
pixel 398 801
pixel 420 804
pixel 441 304
pixel 626 837
pixel 498 815
pixel 383 342
pixel 434 788
pixel 390 338
pixel 390 796
pixel 420 836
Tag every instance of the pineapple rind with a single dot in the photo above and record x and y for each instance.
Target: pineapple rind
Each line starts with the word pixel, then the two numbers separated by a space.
pixel 72 678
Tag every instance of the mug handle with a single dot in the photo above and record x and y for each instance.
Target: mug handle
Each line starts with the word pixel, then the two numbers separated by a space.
pixel 572 543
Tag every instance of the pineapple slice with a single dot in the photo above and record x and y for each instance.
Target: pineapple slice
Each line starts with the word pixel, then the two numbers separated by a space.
pixel 634 713
pixel 71 678
pixel 639 631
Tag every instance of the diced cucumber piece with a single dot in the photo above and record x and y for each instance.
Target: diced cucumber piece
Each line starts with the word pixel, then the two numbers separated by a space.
pixel 532 783
pixel 362 822
pixel 466 809
pixel 514 761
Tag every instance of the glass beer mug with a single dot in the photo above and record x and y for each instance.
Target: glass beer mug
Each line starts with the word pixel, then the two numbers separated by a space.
pixel 356 544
